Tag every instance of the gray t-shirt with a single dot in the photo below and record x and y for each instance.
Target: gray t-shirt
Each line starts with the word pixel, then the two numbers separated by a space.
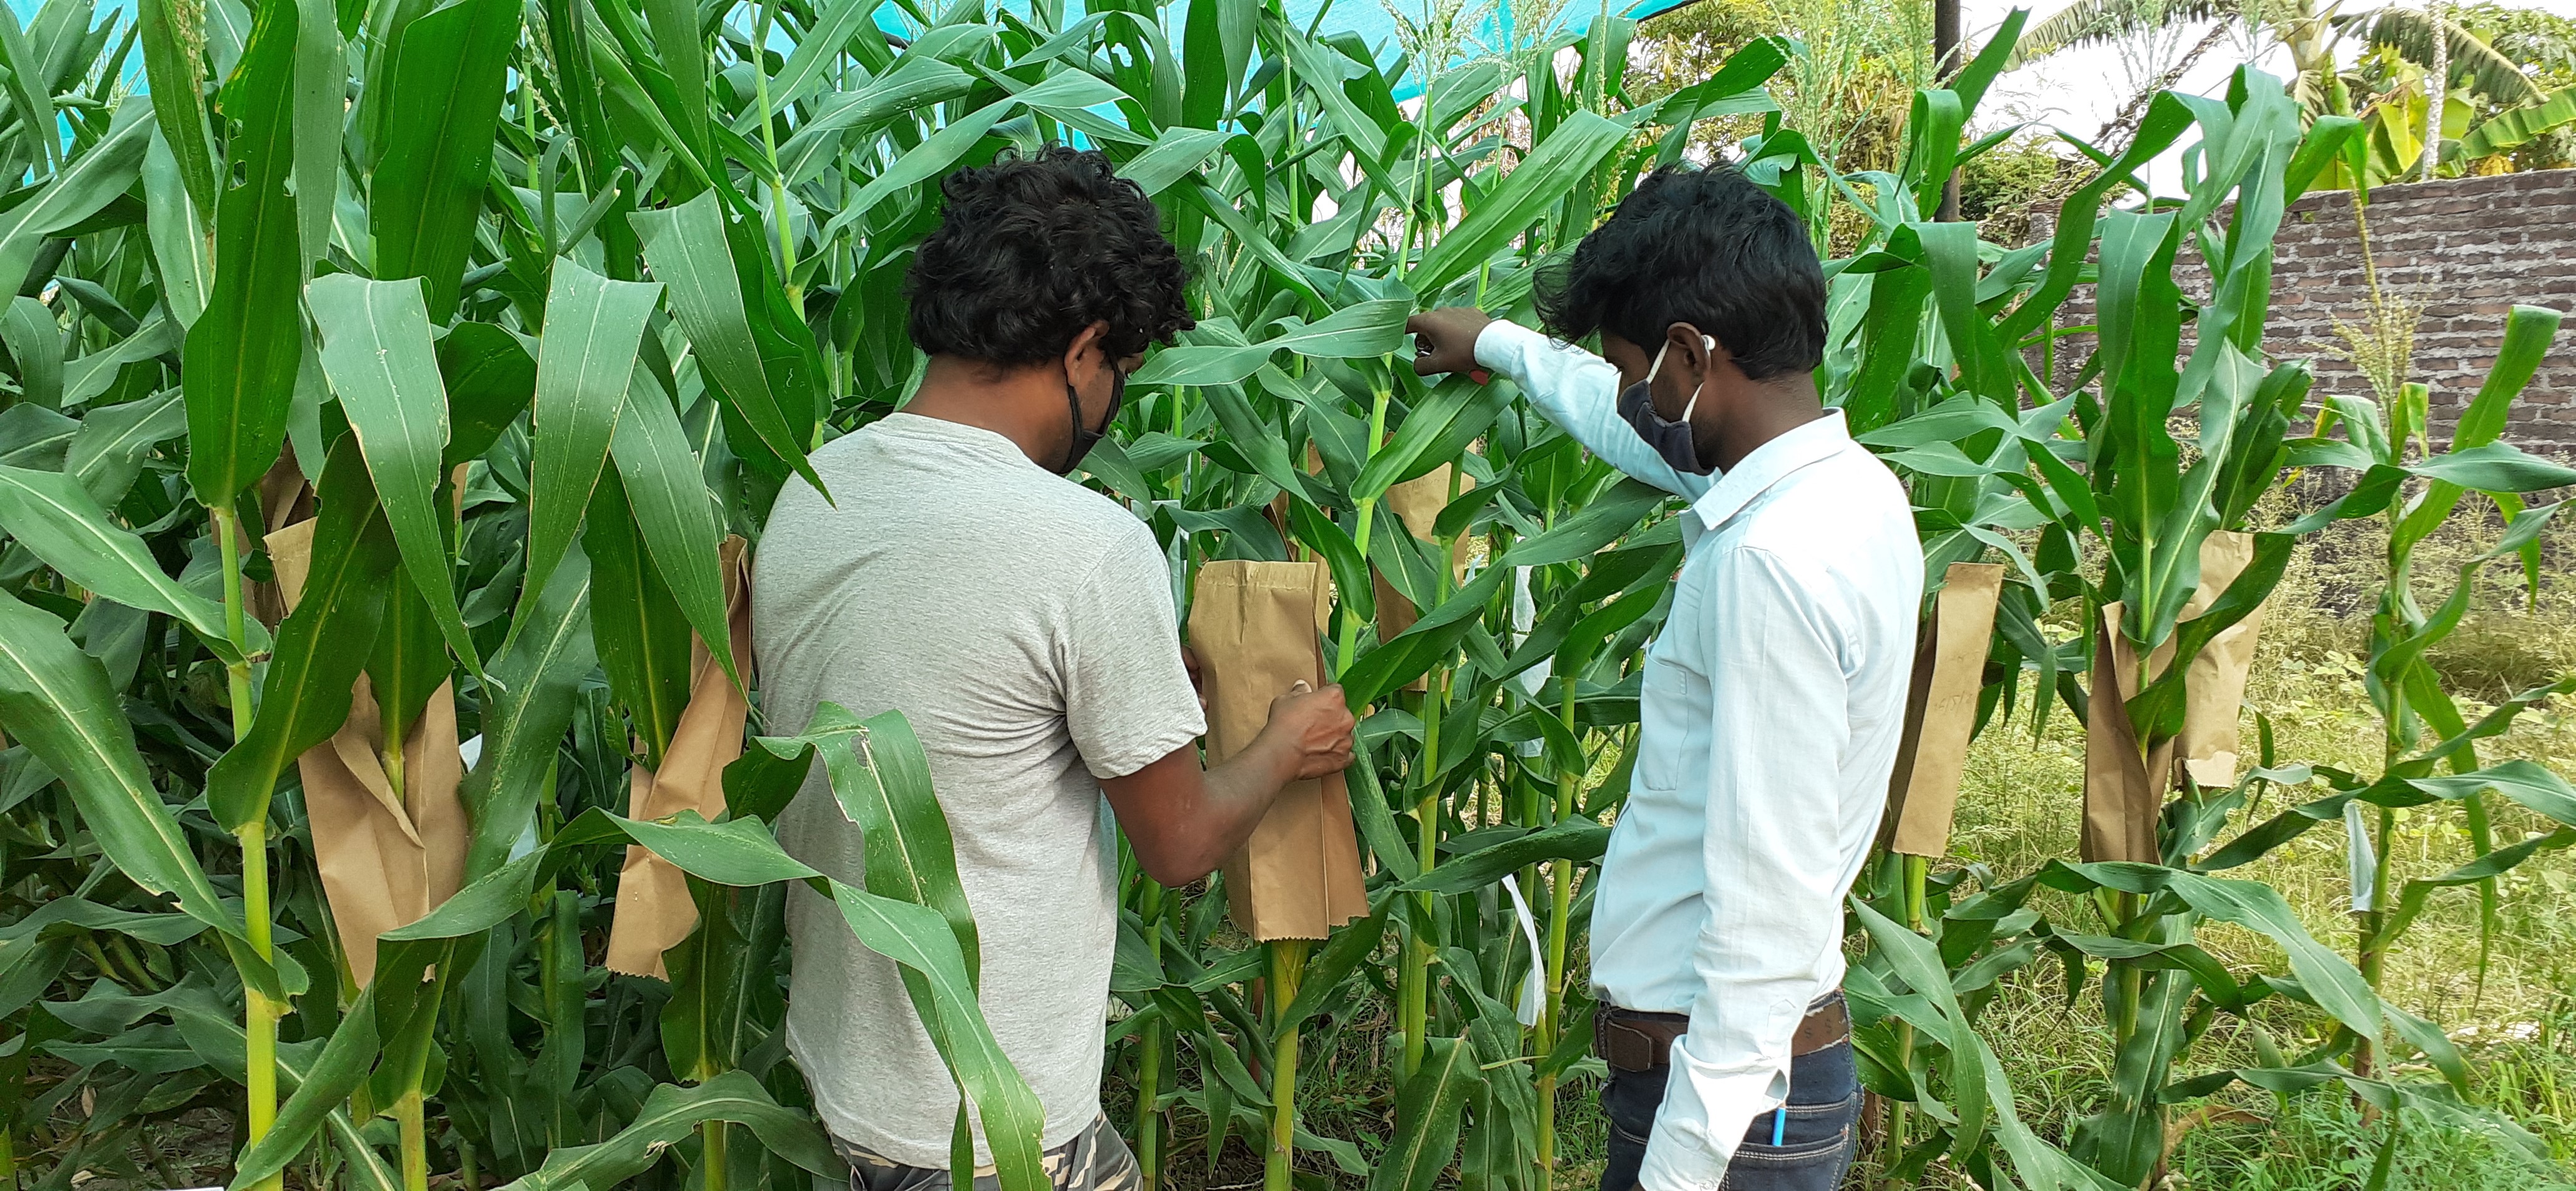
pixel 1024 625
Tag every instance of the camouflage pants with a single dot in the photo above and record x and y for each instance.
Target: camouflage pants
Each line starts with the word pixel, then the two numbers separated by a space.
pixel 1095 1160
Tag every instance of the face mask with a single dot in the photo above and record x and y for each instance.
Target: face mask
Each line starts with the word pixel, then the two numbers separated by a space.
pixel 1084 437
pixel 1671 440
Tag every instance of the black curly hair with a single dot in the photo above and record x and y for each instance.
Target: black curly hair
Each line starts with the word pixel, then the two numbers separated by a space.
pixel 1706 247
pixel 1033 249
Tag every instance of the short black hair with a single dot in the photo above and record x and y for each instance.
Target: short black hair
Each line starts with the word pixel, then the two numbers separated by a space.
pixel 1706 247
pixel 1032 249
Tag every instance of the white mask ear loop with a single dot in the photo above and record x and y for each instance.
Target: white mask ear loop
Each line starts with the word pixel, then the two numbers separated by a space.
pixel 1652 370
pixel 1706 343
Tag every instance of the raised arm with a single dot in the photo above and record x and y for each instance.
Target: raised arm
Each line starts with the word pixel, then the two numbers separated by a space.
pixel 1575 389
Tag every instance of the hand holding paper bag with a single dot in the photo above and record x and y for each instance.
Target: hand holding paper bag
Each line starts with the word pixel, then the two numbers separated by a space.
pixel 1255 628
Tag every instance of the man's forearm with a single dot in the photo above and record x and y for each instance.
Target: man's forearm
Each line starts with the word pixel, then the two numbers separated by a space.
pixel 1240 792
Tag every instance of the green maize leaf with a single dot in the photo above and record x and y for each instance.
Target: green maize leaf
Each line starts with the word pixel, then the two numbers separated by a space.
pixel 86 378
pixel 1539 182
pixel 484 903
pixel 760 783
pixel 243 352
pixel 1915 961
pixel 108 452
pixel 2164 122
pixel 2328 137
pixel 1933 150
pixel 34 437
pixel 2331 979
pixel 881 778
pixel 1321 534
pixel 54 517
pixel 664 487
pixel 737 852
pixel 642 638
pixel 681 48
pixel 1601 522
pixel 1427 1112
pixel 1174 155
pixel 320 111
pixel 594 327
pixel 919 940
pixel 75 914
pixel 321 648
pixel 175 70
pixel 377 353
pixel 174 224
pixel 942 150
pixel 55 700
pixel 1570 839
pixel 1980 72
pixel 1372 328
pixel 725 297
pixel 35 344
pixel 915 82
pixel 539 677
pixel 2496 467
pixel 1376 823
pixel 440 104
pixel 2181 956
pixel 1434 421
pixel 1257 443
pixel 671 1114
pixel 490 379
pixel 409 661
pixel 86 184
pixel 2528 333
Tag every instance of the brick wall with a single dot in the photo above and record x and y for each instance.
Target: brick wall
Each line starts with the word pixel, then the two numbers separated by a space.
pixel 2464 249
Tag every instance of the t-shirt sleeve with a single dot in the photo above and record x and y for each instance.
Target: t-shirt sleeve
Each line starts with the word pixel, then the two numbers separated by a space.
pixel 1127 699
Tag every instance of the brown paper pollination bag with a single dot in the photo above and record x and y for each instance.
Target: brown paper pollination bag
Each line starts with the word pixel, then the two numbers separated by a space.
pixel 654 909
pixel 2215 690
pixel 2124 793
pixel 1417 503
pixel 1941 710
pixel 385 861
pixel 2121 802
pixel 1255 627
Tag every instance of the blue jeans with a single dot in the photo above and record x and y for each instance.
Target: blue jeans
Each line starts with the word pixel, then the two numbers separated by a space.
pixel 1818 1137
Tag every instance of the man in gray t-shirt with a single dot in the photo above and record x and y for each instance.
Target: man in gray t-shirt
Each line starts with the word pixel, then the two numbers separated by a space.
pixel 1024 624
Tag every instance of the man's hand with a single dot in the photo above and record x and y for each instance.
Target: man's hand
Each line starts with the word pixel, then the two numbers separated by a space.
pixel 1314 727
pixel 1445 339
pixel 1183 822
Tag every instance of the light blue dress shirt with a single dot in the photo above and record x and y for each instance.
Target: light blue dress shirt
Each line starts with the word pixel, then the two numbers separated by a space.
pixel 1773 701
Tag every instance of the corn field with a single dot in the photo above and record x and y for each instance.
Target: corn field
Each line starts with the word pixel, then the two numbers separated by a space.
pixel 396 391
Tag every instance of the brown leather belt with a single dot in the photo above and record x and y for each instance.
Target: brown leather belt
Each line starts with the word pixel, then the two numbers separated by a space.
pixel 1632 1041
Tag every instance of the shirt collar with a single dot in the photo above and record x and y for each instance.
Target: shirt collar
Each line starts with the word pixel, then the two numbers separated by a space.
pixel 1770 463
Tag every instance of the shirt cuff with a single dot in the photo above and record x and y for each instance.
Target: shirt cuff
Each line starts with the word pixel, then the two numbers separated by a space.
pixel 1500 347
pixel 1705 1112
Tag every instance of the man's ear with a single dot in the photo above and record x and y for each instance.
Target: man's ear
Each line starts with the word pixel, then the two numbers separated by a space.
pixel 1086 343
pixel 1689 348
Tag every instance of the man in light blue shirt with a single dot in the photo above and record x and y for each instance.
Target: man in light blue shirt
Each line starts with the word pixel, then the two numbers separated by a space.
pixel 1774 695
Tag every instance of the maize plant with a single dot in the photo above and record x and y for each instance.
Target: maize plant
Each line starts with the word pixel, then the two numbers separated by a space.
pixel 383 377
